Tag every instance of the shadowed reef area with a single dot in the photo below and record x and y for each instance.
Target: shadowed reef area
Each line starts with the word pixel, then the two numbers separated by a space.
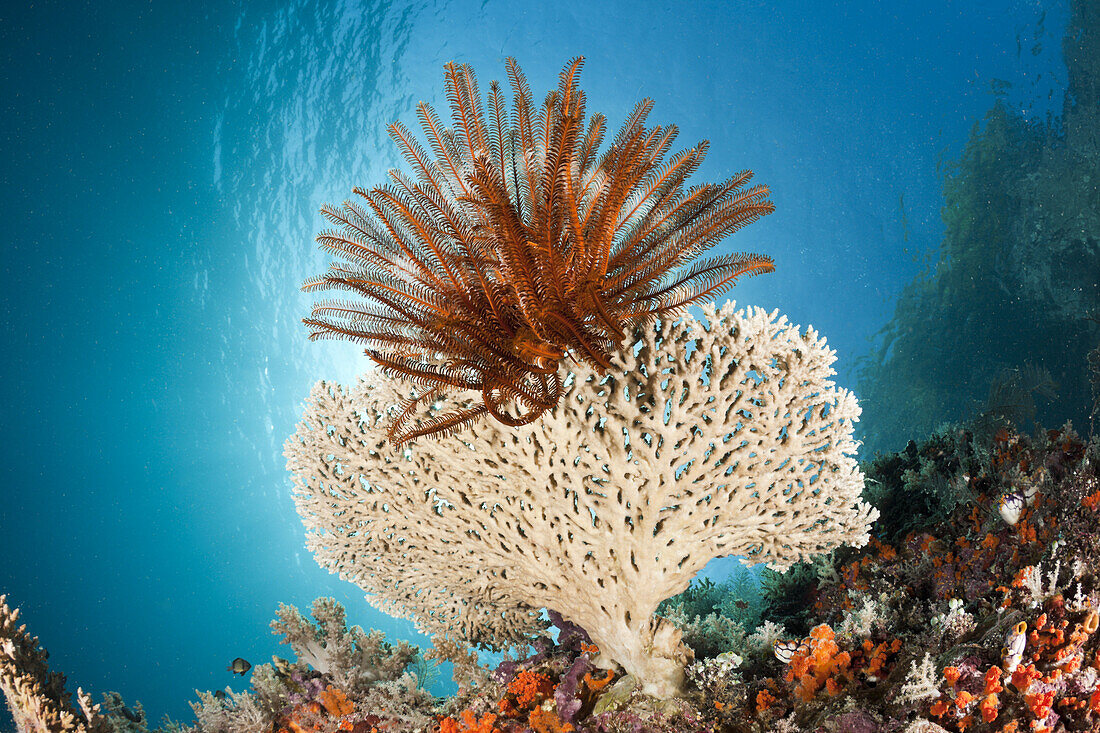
pixel 1002 323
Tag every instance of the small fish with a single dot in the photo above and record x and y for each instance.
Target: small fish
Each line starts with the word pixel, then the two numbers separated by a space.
pixel 1011 507
pixel 239 666
pixel 1013 651
pixel 741 604
pixel 784 650
pixel 130 715
pixel 219 694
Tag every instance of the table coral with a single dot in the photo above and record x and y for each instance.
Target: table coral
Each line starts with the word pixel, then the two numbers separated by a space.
pixel 709 438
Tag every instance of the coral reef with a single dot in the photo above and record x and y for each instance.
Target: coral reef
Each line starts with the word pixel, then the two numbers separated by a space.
pixel 343 679
pixel 957 619
pixel 964 622
pixel 959 595
pixel 708 438
pixel 971 622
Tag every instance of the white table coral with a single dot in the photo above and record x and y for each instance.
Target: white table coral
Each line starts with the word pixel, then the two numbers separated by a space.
pixel 706 439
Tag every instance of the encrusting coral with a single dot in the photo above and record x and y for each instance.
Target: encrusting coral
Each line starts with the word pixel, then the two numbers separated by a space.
pixel 707 438
pixel 984 625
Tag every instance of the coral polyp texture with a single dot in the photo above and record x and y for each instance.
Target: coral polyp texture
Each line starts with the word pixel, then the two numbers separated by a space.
pixel 520 246
pixel 704 438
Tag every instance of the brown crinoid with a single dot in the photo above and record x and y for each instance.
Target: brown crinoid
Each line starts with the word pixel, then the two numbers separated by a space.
pixel 519 245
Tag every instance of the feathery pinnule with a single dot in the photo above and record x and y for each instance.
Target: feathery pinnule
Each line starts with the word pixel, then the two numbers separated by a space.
pixel 515 246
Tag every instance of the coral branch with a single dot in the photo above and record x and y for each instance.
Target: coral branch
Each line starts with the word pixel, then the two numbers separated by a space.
pixel 703 440
pixel 36 696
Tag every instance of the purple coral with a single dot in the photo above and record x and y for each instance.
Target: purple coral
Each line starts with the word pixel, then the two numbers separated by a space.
pixel 566 696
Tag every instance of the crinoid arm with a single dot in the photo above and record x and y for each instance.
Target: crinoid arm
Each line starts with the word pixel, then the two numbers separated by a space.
pixel 514 245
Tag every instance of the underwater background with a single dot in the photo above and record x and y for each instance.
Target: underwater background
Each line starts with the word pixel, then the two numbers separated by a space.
pixel 163 165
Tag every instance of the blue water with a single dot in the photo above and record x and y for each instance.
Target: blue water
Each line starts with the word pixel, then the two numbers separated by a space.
pixel 162 165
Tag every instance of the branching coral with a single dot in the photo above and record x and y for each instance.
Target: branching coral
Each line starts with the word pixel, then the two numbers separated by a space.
pixel 237 712
pixel 348 656
pixel 36 696
pixel 920 684
pixel 706 439
pixel 468 673
pixel 344 679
